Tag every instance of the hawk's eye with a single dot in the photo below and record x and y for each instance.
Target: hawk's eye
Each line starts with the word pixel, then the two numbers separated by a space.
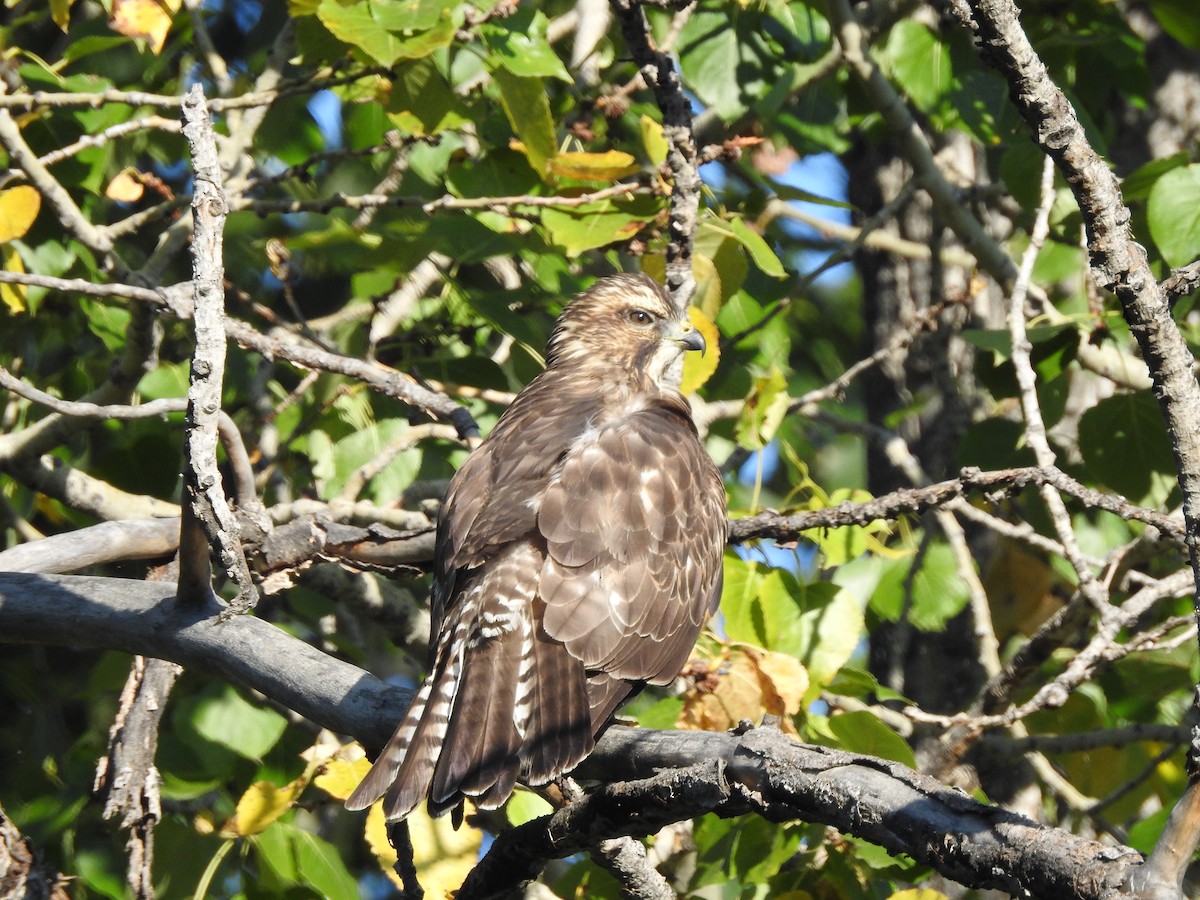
pixel 640 317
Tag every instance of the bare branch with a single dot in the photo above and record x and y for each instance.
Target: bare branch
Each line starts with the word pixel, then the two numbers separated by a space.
pixel 379 377
pixel 93 546
pixel 127 774
pixel 660 73
pixel 148 410
pixel 771 524
pixel 370 201
pixel 206 501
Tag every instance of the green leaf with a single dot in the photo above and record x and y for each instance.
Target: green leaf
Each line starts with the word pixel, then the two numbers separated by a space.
pixel 831 627
pixel 421 102
pixel 708 54
pixel 1138 183
pixel 760 251
pixel 528 111
pixel 356 25
pixel 525 806
pixel 1125 445
pixel 1173 212
pixel 274 848
pixel 107 322
pixel 741 609
pixel 365 444
pixel 1178 18
pixel 410 16
pixel 854 682
pixel 919 62
pixel 781 601
pixel 168 380
pixel 233 723
pixel 763 412
pixel 937 591
pixel 862 732
pixel 380 28
pixel 581 228
pixel 519 44
pixel 319 864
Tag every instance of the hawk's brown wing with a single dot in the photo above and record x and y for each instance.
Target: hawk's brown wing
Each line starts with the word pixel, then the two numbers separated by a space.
pixel 635 528
pixel 577 559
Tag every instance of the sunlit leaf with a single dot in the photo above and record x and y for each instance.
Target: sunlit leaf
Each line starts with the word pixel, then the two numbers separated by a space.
pixel 699 367
pixel 518 42
pixel 339 777
pixel 442 855
pixel 652 139
pixel 581 228
pixel 528 111
pixel 1173 211
pixel 263 803
pixel 18 208
pixel 764 411
pixel 149 20
pixel 607 166
pixel 525 806
pixel 12 295
pixel 919 62
pixel 786 677
pixel 125 187
pixel 760 251
pixel 60 12
pixel 246 729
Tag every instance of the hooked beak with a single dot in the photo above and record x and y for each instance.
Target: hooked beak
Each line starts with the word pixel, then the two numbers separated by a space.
pixel 688 337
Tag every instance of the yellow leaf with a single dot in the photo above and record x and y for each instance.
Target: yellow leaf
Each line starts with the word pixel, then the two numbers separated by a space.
pixel 261 805
pixel 376 836
pixel 918 894
pixel 341 776
pixel 443 856
pixel 149 20
pixel 126 187
pixel 740 686
pixel 652 137
pixel 60 12
pixel 787 678
pixel 607 166
pixel 18 208
pixel 699 367
pixel 12 295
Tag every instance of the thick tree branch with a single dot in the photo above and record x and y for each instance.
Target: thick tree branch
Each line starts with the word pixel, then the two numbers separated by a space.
pixel 676 775
pixel 142 618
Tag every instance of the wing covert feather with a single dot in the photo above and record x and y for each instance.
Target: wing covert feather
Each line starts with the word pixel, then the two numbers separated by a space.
pixel 634 524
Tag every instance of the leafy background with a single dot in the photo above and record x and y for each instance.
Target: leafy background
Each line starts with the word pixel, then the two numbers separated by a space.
pixel 496 133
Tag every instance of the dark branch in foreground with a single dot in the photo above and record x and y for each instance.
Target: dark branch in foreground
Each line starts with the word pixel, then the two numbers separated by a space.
pixel 671 775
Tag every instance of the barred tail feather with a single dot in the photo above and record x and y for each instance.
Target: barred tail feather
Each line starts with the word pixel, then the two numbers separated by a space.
pixel 479 756
pixel 559 732
pixel 404 769
pixel 387 764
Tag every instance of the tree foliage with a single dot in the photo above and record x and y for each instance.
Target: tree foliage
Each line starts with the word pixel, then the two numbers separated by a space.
pixel 949 383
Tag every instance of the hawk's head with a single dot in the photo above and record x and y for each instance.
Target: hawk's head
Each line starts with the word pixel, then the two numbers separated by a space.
pixel 627 322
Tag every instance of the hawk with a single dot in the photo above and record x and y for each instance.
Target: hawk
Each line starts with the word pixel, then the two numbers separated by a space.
pixel 578 554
